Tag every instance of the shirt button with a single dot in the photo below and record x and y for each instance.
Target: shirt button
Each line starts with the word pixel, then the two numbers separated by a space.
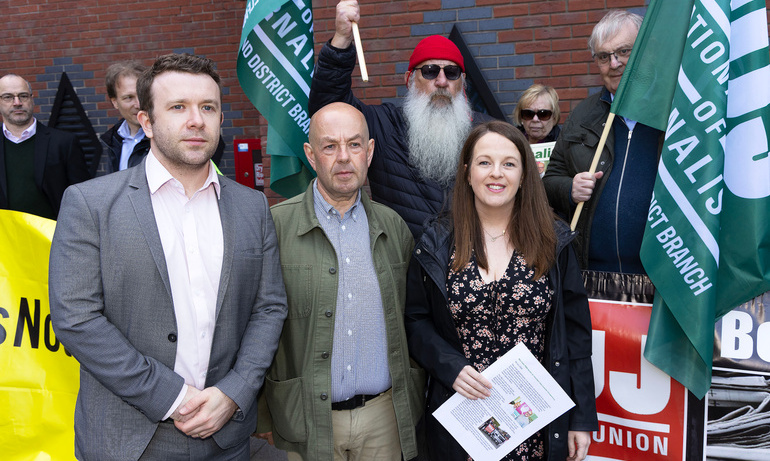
pixel 350 295
pixel 172 337
pixel 328 313
pixel 556 364
pixel 418 251
pixel 347 260
pixel 324 396
pixel 556 435
pixel 349 368
pixel 325 355
pixel 332 270
pixel 350 332
pixel 343 227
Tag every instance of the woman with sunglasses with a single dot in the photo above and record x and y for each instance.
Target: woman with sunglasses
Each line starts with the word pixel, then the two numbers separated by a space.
pixel 537 114
pixel 497 271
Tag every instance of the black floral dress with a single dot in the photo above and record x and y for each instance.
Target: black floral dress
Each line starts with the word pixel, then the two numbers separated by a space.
pixel 491 318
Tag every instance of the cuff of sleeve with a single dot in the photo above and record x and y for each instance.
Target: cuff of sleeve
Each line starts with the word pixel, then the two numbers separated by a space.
pixel 176 403
pixel 340 50
pixel 233 386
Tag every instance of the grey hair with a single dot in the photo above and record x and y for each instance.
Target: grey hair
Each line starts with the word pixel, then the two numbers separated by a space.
pixel 610 25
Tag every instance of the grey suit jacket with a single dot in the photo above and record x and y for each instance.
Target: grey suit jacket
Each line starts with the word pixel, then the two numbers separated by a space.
pixel 111 307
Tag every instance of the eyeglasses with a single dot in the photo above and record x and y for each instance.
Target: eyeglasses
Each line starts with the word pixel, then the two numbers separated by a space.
pixel 10 97
pixel 621 54
pixel 543 114
pixel 431 71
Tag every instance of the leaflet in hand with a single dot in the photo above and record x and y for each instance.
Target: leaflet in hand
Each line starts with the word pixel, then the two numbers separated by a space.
pixel 525 398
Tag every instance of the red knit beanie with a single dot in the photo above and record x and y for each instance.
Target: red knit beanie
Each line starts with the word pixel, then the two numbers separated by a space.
pixel 436 47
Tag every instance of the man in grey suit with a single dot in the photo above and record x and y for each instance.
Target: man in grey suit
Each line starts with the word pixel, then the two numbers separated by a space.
pixel 165 284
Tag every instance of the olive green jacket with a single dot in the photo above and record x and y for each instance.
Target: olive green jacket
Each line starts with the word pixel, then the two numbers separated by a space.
pixel 298 384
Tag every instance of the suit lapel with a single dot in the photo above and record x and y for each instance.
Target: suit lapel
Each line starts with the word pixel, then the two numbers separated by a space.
pixel 142 203
pixel 227 215
pixel 42 138
pixel 3 177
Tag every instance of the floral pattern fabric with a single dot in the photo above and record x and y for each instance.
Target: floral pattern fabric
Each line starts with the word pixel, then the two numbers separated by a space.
pixel 491 318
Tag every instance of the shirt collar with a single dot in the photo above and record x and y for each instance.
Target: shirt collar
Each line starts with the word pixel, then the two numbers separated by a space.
pixel 125 132
pixel 320 202
pixel 26 134
pixel 158 175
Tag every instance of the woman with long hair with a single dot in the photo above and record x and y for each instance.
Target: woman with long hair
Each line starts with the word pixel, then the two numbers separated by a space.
pixel 496 272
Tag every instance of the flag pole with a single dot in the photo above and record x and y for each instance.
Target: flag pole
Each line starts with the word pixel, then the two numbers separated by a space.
pixel 594 164
pixel 360 52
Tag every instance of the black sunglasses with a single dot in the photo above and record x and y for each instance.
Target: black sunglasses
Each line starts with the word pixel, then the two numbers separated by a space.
pixel 431 71
pixel 542 114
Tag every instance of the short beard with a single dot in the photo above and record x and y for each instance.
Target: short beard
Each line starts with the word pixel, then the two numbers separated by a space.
pixel 436 134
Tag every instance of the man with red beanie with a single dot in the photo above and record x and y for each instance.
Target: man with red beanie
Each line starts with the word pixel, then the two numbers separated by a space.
pixel 416 145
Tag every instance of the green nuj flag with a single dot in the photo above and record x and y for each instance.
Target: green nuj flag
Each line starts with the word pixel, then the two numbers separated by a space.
pixel 275 67
pixel 707 243
pixel 648 82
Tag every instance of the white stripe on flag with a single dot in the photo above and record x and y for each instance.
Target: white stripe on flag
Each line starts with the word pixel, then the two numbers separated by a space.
pixel 745 37
pixel 748 92
pixel 687 87
pixel 735 4
pixel 688 211
pixel 280 57
pixel 719 16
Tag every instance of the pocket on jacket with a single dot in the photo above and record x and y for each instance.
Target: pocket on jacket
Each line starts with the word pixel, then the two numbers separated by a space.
pixel 284 400
pixel 297 280
pixel 418 379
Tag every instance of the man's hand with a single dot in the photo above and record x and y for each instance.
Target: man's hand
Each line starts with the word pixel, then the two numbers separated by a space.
pixel 347 13
pixel 207 412
pixel 578 443
pixel 471 384
pixel 583 185
pixel 191 392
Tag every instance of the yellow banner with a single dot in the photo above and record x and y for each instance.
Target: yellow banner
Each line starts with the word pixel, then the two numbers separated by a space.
pixel 39 379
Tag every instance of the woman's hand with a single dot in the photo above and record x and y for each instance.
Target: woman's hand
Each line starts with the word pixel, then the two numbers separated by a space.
pixel 471 384
pixel 577 443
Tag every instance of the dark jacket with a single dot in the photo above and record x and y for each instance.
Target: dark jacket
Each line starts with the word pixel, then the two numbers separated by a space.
pixel 551 137
pixel 393 180
pixel 435 344
pixel 114 143
pixel 573 153
pixel 59 163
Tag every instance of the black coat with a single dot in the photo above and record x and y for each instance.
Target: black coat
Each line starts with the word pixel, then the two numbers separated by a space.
pixel 59 162
pixel 393 180
pixel 435 344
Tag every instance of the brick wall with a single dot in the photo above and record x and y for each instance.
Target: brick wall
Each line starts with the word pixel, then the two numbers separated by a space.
pixel 82 38
pixel 515 43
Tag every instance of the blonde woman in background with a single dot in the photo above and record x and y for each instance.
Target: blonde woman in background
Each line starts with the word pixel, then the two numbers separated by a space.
pixel 537 114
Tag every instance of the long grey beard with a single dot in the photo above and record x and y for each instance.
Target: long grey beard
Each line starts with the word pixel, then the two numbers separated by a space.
pixel 436 134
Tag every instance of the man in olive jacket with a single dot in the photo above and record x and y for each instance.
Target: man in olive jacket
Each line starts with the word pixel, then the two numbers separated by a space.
pixel 341 384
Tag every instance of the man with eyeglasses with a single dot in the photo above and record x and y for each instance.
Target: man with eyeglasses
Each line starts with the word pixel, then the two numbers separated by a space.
pixel 617 196
pixel 417 145
pixel 36 162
